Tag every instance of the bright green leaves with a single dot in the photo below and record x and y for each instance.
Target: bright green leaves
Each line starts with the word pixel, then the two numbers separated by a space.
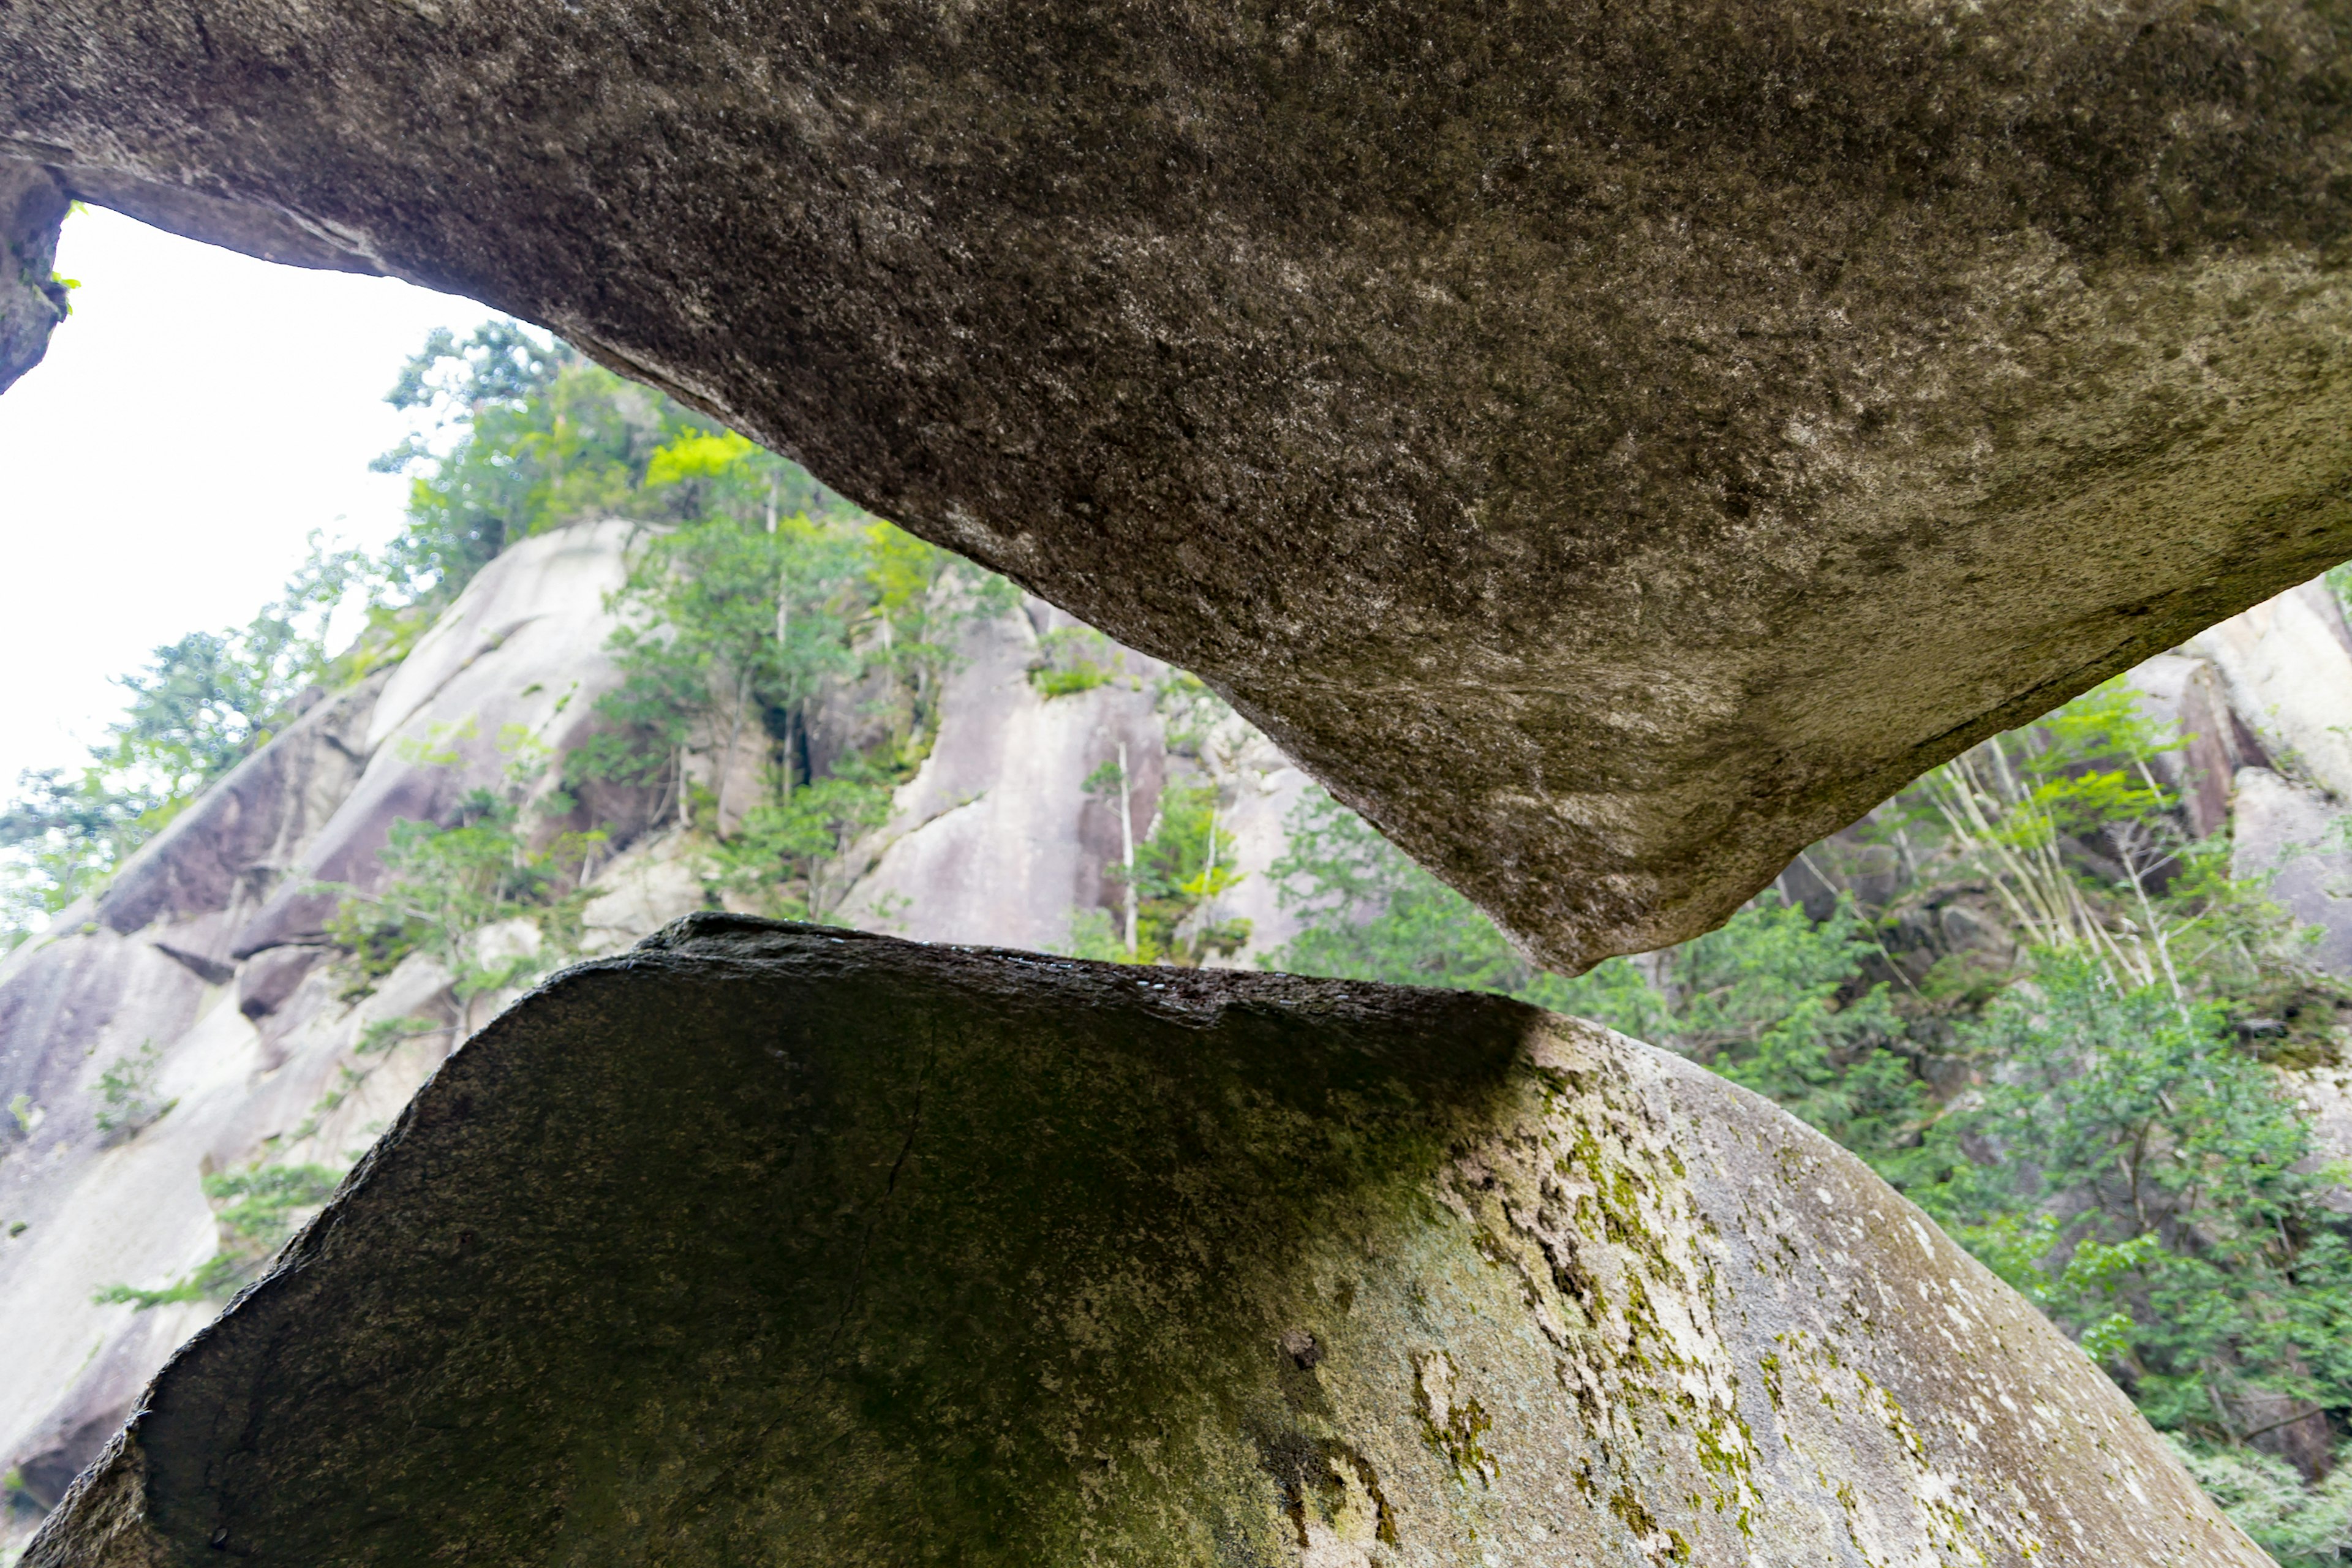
pixel 1186 862
pixel 701 455
pixel 521 434
pixel 447 882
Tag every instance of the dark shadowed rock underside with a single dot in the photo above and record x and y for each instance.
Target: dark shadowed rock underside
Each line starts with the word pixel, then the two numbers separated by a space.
pixel 771 1243
pixel 1612 443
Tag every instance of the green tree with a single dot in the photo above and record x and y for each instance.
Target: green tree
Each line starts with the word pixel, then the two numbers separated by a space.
pixel 518 433
pixel 1772 1000
pixel 201 705
pixel 738 624
pixel 2149 1183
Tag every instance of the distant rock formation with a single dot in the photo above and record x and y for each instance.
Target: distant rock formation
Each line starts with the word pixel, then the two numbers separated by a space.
pixel 776 1244
pixel 202 964
pixel 998 841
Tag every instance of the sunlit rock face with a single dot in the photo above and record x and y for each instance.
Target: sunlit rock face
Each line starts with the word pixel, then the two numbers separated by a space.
pixel 1613 443
pixel 783 1244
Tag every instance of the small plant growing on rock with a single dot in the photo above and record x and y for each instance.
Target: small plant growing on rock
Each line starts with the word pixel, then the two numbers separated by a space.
pixel 258 1209
pixel 126 1092
pixel 1074 660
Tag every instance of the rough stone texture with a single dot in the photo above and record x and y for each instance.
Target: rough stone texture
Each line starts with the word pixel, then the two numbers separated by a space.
pixel 2290 832
pixel 32 301
pixel 453 720
pixel 996 838
pixel 2286 665
pixel 255 1042
pixel 2325 1094
pixel 256 1046
pixel 1615 444
pixel 223 853
pixel 2188 696
pixel 786 1245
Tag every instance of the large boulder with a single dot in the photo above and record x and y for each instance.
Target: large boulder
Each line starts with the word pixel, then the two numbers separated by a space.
pixel 1613 443
pixel 786 1245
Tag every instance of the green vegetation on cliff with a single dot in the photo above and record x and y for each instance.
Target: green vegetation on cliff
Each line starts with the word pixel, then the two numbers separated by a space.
pixel 782 653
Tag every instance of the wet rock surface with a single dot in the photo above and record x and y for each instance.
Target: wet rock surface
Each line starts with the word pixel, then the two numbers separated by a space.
pixel 783 1244
pixel 1615 445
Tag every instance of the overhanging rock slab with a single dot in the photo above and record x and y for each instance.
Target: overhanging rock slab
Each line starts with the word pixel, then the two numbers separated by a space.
pixel 772 1244
pixel 1614 443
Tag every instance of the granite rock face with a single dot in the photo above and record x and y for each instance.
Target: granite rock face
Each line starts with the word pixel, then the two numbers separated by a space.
pixel 32 299
pixel 203 969
pixel 209 949
pixel 1614 445
pixel 782 1244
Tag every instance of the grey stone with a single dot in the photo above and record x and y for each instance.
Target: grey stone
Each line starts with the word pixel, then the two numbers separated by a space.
pixel 2294 835
pixel 2187 696
pixel 32 299
pixel 227 849
pixel 1613 443
pixel 789 1244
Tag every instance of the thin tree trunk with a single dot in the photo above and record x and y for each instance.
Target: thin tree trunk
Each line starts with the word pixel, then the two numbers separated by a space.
pixel 1208 889
pixel 1127 845
pixel 727 768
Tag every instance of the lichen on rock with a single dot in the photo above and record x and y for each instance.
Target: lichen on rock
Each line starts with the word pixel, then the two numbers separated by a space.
pixel 784 1244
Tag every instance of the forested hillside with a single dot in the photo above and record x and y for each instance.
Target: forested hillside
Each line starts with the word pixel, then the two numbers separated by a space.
pixel 2045 991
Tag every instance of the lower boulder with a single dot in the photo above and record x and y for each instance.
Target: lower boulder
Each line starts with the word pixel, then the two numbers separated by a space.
pixel 773 1244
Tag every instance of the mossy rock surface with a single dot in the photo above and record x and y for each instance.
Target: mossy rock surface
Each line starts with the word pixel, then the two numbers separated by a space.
pixel 768 1244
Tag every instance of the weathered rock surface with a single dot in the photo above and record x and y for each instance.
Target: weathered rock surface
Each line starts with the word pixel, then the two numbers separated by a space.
pixel 1614 445
pixel 997 833
pixel 778 1244
pixel 2290 832
pixel 2286 667
pixel 32 301
pixel 998 840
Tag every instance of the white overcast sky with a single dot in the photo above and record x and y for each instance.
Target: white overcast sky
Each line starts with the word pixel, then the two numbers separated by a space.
pixel 196 418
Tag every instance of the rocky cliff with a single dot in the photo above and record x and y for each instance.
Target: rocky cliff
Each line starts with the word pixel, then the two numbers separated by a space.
pixel 771 1243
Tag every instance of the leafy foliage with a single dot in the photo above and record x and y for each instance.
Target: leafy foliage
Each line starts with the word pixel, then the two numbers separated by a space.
pixel 1072 659
pixel 256 1210
pixel 742 627
pixel 2149 1184
pixel 2301 1527
pixel 1764 1000
pixel 202 705
pixel 1184 861
pixel 127 1100
pixel 449 882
